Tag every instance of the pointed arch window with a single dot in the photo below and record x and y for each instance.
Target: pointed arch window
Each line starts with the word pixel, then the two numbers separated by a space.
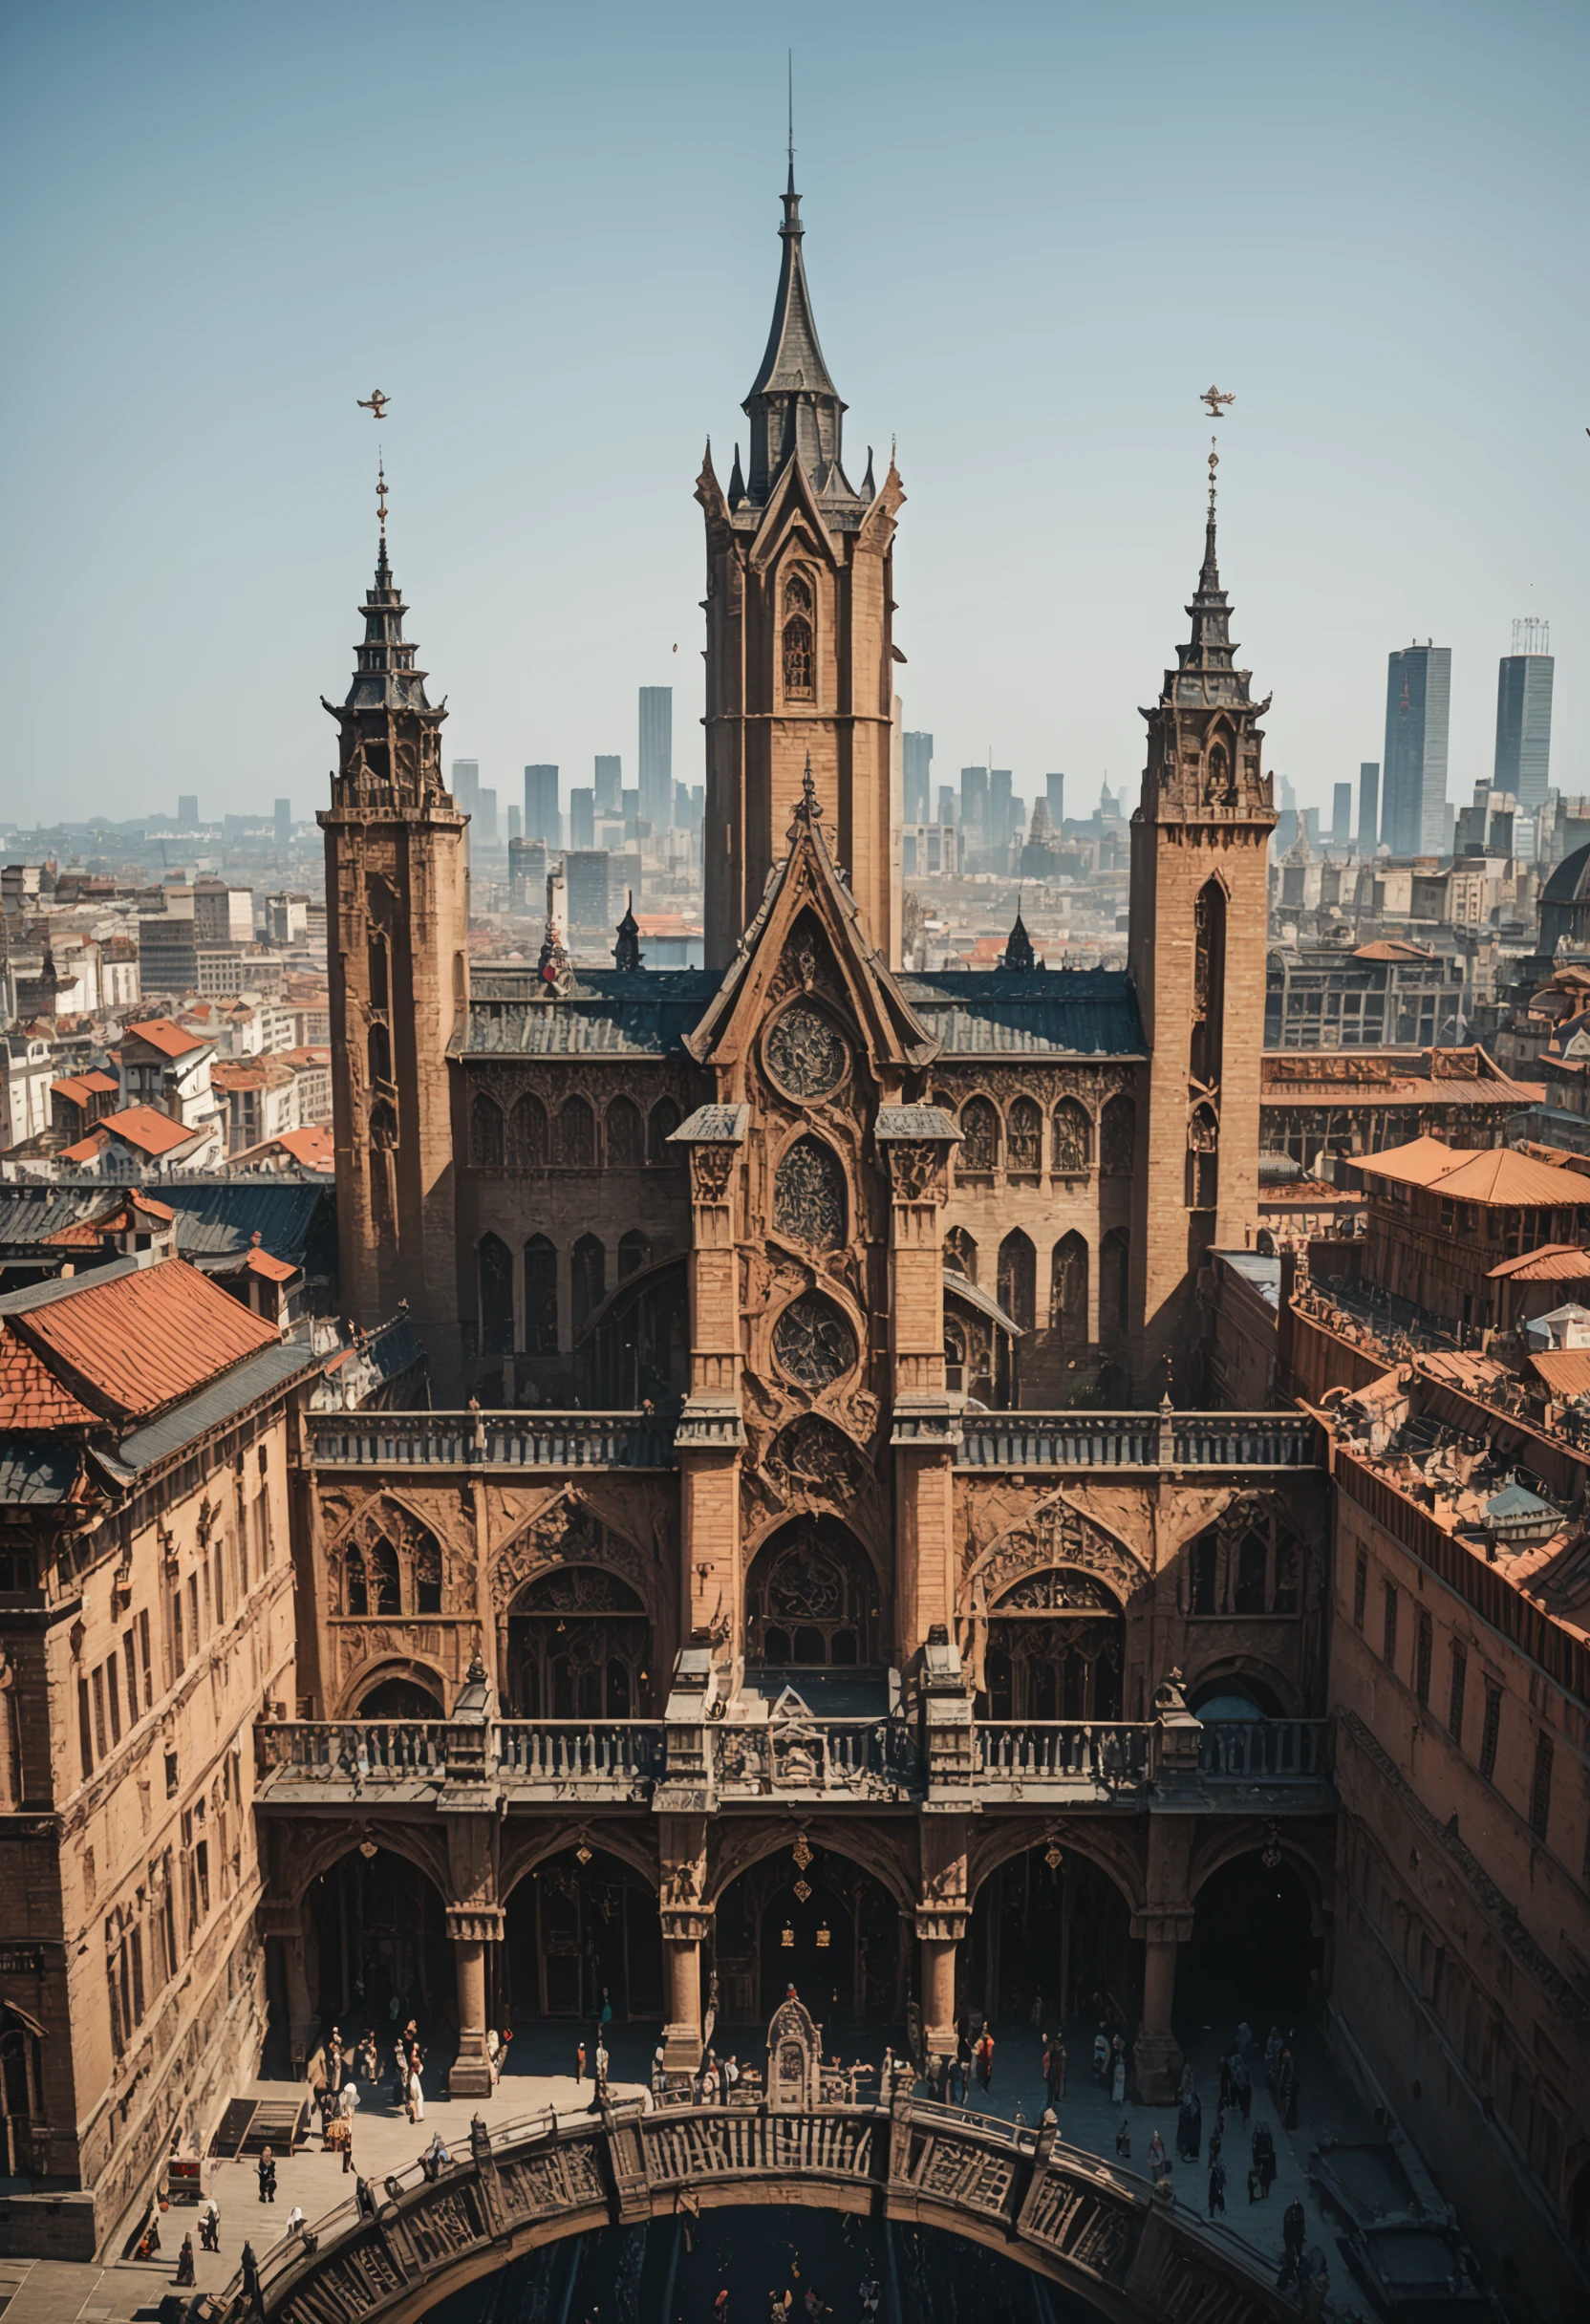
pixel 808 1196
pixel 386 1595
pixel 576 1135
pixel 378 981
pixel 380 1054
pixel 541 1297
pixel 529 1132
pixel 1073 1136
pixel 625 1133
pixel 960 1254
pixel 496 1297
pixel 799 659
pixel 1018 1279
pixel 1069 1291
pixel 980 1138
pixel 664 1121
pixel 485 1132
pixel 428 1577
pixel 1208 982
pixel 1118 1138
pixel 589 1281
pixel 634 1252
pixel 1024 1137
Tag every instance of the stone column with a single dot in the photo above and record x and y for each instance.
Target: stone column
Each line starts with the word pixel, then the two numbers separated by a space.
pixel 472 1928
pixel 285 1923
pixel 916 1142
pixel 684 1930
pixel 1164 1922
pixel 710 1433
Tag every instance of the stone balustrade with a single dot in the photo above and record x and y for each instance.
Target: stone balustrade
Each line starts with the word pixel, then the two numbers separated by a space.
pixel 1266 1750
pixel 1166 1439
pixel 1014 1758
pixel 494 1440
pixel 607 1755
pixel 353 1751
pixel 854 1759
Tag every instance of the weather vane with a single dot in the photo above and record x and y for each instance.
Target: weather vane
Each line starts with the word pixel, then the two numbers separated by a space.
pixel 1213 400
pixel 375 403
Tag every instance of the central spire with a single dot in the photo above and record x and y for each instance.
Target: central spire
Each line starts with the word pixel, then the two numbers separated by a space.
pixel 794 407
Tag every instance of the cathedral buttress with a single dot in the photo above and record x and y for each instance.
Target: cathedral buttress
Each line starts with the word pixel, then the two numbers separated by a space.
pixel 397 918
pixel 1200 926
pixel 800 650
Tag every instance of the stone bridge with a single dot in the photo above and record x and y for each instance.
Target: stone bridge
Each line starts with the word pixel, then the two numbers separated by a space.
pixel 1103 2233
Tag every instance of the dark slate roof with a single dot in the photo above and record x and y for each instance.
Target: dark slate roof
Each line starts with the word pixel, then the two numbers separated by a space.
pixel 291 1217
pixel 1073 1012
pixel 257 1376
pixel 610 1013
pixel 37 1472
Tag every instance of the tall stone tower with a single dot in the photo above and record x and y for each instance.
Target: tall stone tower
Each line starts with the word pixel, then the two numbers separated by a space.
pixel 799 657
pixel 397 916
pixel 1199 925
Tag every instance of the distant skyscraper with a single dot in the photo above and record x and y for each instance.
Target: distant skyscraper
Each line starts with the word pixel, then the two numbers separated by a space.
pixel 1524 716
pixel 586 874
pixel 656 756
pixel 466 785
pixel 1418 702
pixel 582 820
pixel 284 820
pixel 608 786
pixel 516 825
pixel 973 806
pixel 1342 815
pixel 999 806
pixel 1054 787
pixel 1368 806
pixel 540 805
pixel 485 817
pixel 187 809
pixel 919 776
pixel 946 803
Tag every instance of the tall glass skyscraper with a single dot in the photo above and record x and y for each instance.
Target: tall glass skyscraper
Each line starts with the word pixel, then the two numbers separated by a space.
pixel 1524 716
pixel 1368 806
pixel 540 805
pixel 918 751
pixel 656 756
pixel 1418 709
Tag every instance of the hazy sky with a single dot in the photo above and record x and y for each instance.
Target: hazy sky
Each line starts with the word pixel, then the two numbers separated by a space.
pixel 1034 233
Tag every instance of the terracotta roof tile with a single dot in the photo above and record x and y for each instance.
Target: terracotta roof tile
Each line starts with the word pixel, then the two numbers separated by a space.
pixel 1552 1262
pixel 169 1039
pixel 1494 1174
pixel 1565 1370
pixel 30 1396
pixel 138 1338
pixel 142 1126
pixel 274 1270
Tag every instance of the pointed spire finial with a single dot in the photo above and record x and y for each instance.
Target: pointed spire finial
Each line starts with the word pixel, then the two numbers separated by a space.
pixel 381 491
pixel 808 793
pixel 789 59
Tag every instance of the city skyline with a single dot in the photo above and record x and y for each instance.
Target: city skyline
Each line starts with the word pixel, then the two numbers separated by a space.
pixel 234 418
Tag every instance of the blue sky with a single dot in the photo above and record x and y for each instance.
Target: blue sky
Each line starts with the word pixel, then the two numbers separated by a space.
pixel 1034 234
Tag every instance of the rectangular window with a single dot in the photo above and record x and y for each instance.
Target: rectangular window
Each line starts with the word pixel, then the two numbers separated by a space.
pixel 209 1608
pixel 193 1610
pixel 179 1653
pixel 1361 1589
pixel 1389 1642
pixel 1424 1648
pixel 85 1729
pixel 1454 1708
pixel 129 1664
pixel 1490 1732
pixel 261 1528
pixel 1204 1553
pixel 201 1865
pixel 143 1658
pixel 169 1912
pixel 138 1975
pixel 218 1561
pixel 113 1698
pixel 1540 1786
pixel 99 1713
pixel 118 2038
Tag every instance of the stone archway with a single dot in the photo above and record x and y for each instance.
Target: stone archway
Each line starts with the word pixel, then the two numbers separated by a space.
pixel 812 1599
pixel 375 1930
pixel 808 1914
pixel 581 1929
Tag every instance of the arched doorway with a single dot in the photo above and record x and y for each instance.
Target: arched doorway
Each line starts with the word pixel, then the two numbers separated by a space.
pixel 579 1933
pixel 1057 1930
pixel 374 1927
pixel 400 1698
pixel 1253 1954
pixel 579 1648
pixel 1054 1651
pixel 812 1600
pixel 810 1917
pixel 21 2089
pixel 638 1350
pixel 1228 1696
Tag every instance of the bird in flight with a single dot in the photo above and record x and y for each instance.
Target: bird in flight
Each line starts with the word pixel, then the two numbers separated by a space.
pixel 1212 400
pixel 377 403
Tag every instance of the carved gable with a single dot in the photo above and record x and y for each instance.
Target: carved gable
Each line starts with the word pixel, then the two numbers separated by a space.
pixel 1056 1534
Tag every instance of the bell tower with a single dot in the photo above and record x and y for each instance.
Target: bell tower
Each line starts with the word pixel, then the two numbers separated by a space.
pixel 397 917
pixel 1197 948
pixel 800 654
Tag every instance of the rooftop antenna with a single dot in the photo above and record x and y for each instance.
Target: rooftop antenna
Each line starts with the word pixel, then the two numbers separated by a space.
pixel 790 59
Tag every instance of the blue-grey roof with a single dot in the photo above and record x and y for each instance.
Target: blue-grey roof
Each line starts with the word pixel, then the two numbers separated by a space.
pixel 610 1013
pixel 291 1217
pixel 1072 1012
pixel 243 1385
pixel 1261 1272
pixel 36 1471
pixel 1518 1502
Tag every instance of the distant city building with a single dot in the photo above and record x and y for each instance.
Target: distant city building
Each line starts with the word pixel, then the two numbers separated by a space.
pixel 1368 806
pixel 946 803
pixel 656 756
pixel 587 870
pixel 582 818
pixel 1524 718
pixel 527 876
pixel 974 806
pixel 542 820
pixel 466 785
pixel 516 825
pixel 284 820
pixel 1384 995
pixel 928 851
pixel 485 817
pixel 917 752
pixel 187 809
pixel 1342 815
pixel 1418 704
pixel 1000 807
pixel 1054 791
pixel 609 785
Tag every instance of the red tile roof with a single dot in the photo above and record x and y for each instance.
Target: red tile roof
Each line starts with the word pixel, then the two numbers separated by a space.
pixel 169 1039
pixel 139 1342
pixel 1494 1173
pixel 1553 1262
pixel 142 1126
pixel 30 1396
pixel 274 1270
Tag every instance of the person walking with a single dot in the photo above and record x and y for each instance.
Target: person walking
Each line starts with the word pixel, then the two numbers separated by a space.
pixel 268 2175
pixel 417 2096
pixel 986 2061
pixel 1294 2231
pixel 1217 2188
pixel 1101 2057
pixel 579 2062
pixel 1122 2139
pixel 1242 2085
pixel 1190 2131
pixel 1159 2162
pixel 1118 2073
pixel 209 2227
pixel 1286 2090
pixel 1264 2158
pixel 185 2261
pixel 295 2220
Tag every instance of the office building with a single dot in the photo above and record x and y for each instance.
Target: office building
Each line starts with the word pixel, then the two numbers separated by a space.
pixel 526 875
pixel 1524 716
pixel 917 757
pixel 540 805
pixel 1368 806
pixel 999 806
pixel 582 818
pixel 485 817
pixel 187 809
pixel 1342 815
pixel 466 785
pixel 1054 791
pixel 516 825
pixel 283 821
pixel 1418 702
pixel 656 756
pixel 587 872
pixel 686 816
pixel 974 806
pixel 947 810
pixel 609 785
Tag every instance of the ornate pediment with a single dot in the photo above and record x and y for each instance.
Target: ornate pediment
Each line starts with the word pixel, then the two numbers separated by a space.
pixel 1057 1533
pixel 565 1530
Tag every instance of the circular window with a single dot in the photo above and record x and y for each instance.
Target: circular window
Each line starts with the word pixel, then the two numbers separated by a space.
pixel 805 1053
pixel 813 1343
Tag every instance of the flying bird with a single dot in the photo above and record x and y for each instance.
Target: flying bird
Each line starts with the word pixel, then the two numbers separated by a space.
pixel 1212 400
pixel 377 403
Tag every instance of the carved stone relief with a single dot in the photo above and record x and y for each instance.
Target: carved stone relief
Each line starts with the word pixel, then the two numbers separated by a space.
pixel 1057 1533
pixel 805 1052
pixel 813 1342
